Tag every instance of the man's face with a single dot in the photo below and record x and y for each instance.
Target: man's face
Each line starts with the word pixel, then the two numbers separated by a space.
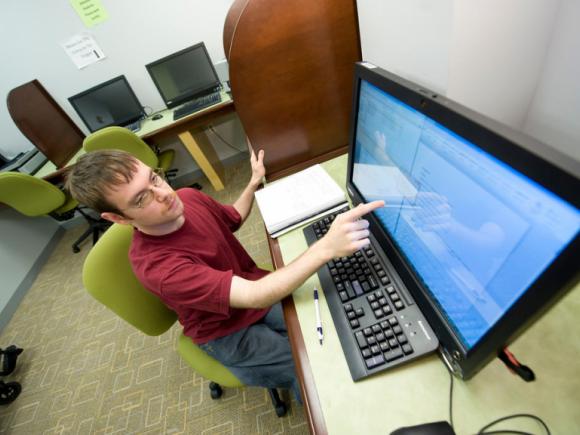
pixel 147 202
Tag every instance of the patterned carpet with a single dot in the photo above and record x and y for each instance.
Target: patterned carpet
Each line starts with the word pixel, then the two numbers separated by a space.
pixel 85 371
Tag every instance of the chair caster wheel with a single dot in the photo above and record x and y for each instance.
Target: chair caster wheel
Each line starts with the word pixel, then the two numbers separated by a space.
pixel 281 410
pixel 9 391
pixel 76 249
pixel 215 390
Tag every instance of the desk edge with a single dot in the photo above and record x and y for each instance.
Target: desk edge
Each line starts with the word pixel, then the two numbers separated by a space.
pixel 310 398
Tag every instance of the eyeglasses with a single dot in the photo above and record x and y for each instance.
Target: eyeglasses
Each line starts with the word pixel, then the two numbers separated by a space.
pixel 147 196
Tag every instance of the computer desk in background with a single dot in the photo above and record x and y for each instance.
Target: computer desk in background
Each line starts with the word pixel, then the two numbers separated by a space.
pixel 188 129
pixel 419 392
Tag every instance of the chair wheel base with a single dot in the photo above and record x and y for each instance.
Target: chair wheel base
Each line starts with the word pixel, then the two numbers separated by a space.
pixel 281 410
pixel 215 390
pixel 278 403
pixel 76 249
pixel 9 391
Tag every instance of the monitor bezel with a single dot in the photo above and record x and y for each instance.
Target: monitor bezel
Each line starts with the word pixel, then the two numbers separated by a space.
pixel 545 165
pixel 73 102
pixel 190 95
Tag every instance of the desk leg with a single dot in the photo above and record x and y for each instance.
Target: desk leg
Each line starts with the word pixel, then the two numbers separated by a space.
pixel 205 156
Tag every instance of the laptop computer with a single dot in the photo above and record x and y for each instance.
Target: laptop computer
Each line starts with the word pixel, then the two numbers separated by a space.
pixel 479 234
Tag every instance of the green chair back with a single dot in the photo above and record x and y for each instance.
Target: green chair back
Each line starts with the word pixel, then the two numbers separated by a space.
pixel 120 138
pixel 29 195
pixel 108 277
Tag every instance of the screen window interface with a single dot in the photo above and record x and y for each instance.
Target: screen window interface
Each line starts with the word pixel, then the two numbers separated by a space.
pixel 476 232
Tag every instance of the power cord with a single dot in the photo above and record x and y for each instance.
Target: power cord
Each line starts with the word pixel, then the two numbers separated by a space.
pixel 212 129
pixel 482 431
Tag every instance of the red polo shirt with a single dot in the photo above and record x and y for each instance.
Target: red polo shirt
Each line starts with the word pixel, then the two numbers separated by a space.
pixel 191 269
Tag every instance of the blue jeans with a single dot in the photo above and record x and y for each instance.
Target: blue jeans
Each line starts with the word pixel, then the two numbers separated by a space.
pixel 259 355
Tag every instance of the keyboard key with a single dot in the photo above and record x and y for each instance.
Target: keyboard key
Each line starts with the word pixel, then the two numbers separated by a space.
pixel 343 296
pixel 399 305
pixel 371 340
pixel 407 349
pixel 381 337
pixel 378 313
pixel 360 312
pixel 397 329
pixel 367 332
pixel 402 339
pixel 366 353
pixel 354 323
pixel 376 329
pixel 357 288
pixel 360 339
pixel 384 346
pixel 348 307
pixel 393 354
pixel 393 321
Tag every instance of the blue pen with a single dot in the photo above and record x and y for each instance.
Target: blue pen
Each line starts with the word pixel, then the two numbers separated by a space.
pixel 318 321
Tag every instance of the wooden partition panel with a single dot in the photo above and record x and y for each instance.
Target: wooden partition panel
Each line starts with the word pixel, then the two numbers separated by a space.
pixel 44 123
pixel 291 73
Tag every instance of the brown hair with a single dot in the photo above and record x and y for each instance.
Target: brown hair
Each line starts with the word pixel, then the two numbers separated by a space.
pixel 96 173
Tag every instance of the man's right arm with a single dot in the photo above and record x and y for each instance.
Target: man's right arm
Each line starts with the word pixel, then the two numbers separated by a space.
pixel 346 235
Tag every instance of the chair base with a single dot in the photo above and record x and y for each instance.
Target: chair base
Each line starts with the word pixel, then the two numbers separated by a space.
pixel 216 392
pixel 96 227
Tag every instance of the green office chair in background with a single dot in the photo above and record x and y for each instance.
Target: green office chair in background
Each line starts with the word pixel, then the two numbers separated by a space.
pixel 120 138
pixel 33 196
pixel 109 278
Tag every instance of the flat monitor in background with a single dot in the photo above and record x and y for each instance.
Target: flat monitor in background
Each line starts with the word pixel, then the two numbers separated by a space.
pixel 110 103
pixel 481 223
pixel 186 76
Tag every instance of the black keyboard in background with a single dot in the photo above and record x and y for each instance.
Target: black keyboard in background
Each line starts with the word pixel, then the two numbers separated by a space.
pixel 197 104
pixel 377 323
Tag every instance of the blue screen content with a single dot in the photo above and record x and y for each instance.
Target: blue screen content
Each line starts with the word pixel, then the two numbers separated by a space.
pixel 476 232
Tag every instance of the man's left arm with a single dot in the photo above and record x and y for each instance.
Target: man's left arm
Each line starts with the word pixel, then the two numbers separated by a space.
pixel 244 203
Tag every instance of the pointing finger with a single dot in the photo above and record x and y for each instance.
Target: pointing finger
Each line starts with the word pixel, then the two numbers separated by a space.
pixel 362 209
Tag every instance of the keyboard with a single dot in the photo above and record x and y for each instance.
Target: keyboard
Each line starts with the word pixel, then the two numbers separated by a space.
pixel 377 321
pixel 134 126
pixel 197 104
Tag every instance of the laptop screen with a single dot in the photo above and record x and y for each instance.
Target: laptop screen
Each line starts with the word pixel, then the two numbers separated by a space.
pixel 475 232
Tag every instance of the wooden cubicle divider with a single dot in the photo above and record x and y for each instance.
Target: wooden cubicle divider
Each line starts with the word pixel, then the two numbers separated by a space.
pixel 291 73
pixel 44 122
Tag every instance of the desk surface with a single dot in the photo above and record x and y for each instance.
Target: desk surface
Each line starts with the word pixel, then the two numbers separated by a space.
pixel 419 392
pixel 150 128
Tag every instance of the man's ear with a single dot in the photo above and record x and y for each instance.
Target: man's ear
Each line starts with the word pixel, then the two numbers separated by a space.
pixel 115 218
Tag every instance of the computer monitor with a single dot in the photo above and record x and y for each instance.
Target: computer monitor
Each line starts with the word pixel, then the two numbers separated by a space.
pixel 184 75
pixel 481 222
pixel 110 103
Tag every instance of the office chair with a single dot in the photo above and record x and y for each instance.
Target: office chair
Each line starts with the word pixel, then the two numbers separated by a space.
pixel 123 139
pixel 109 278
pixel 33 196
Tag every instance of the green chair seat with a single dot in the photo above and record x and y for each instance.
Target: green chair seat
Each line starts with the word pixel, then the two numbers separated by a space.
pixel 165 159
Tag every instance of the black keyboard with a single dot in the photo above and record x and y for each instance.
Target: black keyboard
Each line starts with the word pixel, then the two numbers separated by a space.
pixel 197 104
pixel 377 321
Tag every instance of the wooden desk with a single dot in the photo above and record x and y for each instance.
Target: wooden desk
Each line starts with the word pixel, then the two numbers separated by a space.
pixel 419 392
pixel 188 129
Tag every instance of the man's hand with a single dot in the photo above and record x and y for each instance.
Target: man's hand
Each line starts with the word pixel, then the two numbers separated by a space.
pixel 258 168
pixel 348 233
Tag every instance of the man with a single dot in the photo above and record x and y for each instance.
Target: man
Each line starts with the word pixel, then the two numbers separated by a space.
pixel 184 251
